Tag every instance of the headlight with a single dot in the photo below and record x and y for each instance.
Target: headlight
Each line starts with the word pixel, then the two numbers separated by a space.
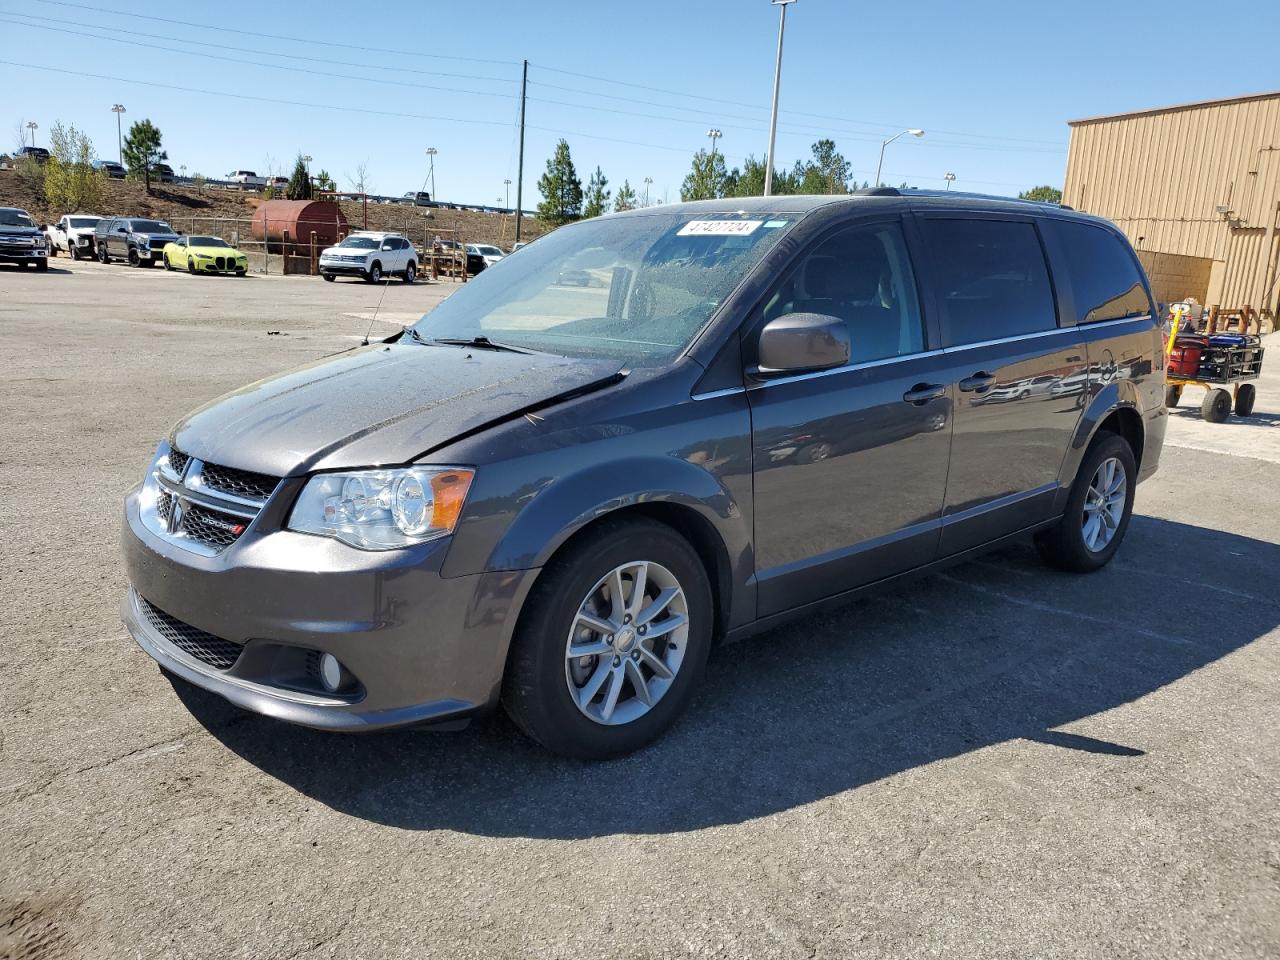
pixel 383 509
pixel 204 256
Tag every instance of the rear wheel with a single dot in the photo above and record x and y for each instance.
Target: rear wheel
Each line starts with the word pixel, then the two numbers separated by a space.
pixel 1245 398
pixel 1216 406
pixel 612 643
pixel 1098 508
pixel 1172 394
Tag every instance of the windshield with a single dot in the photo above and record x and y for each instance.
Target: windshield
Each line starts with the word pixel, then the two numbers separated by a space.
pixel 361 243
pixel 151 226
pixel 490 251
pixel 636 288
pixel 207 242
pixel 15 218
pixel 84 221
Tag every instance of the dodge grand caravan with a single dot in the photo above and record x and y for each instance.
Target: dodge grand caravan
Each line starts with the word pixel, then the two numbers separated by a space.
pixel 556 497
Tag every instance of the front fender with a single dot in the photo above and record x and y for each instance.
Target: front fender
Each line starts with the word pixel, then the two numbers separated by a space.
pixel 1105 399
pixel 571 502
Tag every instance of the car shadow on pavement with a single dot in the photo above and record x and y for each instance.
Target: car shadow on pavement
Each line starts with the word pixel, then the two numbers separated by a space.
pixel 997 649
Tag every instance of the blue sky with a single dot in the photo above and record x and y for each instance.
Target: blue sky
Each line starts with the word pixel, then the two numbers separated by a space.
pixel 632 87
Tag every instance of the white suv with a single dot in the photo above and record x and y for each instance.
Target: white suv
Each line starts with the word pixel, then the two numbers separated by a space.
pixel 370 255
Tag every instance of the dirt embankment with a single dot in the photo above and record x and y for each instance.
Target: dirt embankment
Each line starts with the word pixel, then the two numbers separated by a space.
pixel 192 210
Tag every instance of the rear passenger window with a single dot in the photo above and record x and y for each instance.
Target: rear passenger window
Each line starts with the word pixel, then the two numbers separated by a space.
pixel 991 278
pixel 1104 277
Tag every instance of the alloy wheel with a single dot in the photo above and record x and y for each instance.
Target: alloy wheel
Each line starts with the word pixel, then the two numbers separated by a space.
pixel 627 642
pixel 1104 504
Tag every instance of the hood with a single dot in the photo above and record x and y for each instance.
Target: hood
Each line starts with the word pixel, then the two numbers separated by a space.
pixel 345 251
pixel 153 237
pixel 386 404
pixel 11 231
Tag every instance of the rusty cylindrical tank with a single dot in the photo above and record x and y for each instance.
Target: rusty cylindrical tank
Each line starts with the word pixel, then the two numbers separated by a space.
pixel 299 219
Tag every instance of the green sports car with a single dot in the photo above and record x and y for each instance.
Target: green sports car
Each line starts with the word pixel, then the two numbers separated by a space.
pixel 205 255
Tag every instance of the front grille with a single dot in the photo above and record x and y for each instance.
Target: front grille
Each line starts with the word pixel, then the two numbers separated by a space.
pixel 164 507
pixel 205 647
pixel 212 526
pixel 220 262
pixel 240 483
pixel 178 462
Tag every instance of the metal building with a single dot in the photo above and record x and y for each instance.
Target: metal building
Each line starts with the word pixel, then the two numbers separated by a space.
pixel 1196 187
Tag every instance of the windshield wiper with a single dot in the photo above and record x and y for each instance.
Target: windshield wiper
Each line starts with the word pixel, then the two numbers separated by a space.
pixel 480 343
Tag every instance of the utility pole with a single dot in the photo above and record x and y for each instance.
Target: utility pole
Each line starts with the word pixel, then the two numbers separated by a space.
pixel 117 109
pixel 524 89
pixel 777 80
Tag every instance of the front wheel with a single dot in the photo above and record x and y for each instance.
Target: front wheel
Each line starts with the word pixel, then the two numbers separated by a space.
pixel 329 277
pixel 1098 509
pixel 409 273
pixel 191 266
pixel 134 259
pixel 167 265
pixel 1216 406
pixel 375 274
pixel 612 643
pixel 103 256
pixel 42 265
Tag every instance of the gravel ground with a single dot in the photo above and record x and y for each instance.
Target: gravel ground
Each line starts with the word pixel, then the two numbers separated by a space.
pixel 999 761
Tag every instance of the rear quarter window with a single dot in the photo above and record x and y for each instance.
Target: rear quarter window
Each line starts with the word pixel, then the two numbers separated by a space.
pixel 991 279
pixel 1104 274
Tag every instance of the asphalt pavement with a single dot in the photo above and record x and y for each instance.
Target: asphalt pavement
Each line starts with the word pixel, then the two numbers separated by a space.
pixel 998 761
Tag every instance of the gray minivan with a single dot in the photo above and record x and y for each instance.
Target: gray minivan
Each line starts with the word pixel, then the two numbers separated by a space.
pixel 557 494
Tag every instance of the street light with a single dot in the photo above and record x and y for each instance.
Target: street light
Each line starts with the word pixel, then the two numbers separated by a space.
pixel 33 126
pixel 647 182
pixel 950 178
pixel 777 80
pixel 507 184
pixel 913 131
pixel 431 155
pixel 117 109
pixel 715 135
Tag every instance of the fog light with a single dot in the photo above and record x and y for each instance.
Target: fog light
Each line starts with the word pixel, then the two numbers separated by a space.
pixel 330 672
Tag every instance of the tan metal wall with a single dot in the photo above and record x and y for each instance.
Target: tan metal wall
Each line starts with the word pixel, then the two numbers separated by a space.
pixel 1175 276
pixel 1160 175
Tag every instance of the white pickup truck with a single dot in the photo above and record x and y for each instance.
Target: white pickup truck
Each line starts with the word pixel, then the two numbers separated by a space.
pixel 72 235
pixel 247 179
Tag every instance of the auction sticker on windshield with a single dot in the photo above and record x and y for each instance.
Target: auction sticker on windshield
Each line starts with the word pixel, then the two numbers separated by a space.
pixel 719 228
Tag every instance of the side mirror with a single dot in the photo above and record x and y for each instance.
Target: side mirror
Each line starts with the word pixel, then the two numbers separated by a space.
pixel 802 342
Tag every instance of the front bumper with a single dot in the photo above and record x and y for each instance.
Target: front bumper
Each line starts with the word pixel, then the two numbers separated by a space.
pixel 421 647
pixel 344 269
pixel 19 255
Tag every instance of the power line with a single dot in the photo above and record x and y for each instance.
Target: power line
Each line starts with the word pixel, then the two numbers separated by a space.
pixel 269 66
pixel 223 95
pixel 275 36
pixel 327 61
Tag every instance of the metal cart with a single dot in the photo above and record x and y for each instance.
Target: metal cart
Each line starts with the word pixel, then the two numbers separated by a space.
pixel 1223 364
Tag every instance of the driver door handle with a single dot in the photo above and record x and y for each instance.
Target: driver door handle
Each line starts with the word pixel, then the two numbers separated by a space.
pixel 980 382
pixel 922 393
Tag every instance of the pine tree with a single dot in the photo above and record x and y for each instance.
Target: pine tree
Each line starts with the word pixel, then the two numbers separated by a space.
pixel 561 189
pixel 626 198
pixel 596 199
pixel 300 182
pixel 142 150
pixel 707 179
pixel 827 172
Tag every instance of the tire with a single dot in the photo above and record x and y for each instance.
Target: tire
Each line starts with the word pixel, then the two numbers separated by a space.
pixel 73 252
pixel 103 256
pixel 134 259
pixel 191 266
pixel 329 277
pixel 1066 545
pixel 1216 406
pixel 410 272
pixel 42 265
pixel 241 273
pixel 375 273
pixel 536 690
pixel 1245 399
pixel 167 265
pixel 1172 394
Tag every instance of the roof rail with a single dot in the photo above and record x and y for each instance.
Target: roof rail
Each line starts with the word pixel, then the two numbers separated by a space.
pixel 916 192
